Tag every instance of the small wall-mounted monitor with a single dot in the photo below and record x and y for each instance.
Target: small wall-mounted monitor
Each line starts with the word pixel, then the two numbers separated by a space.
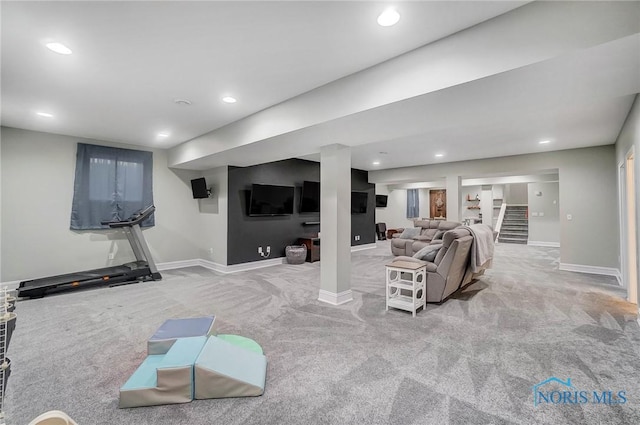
pixel 199 188
pixel 381 201
pixel 359 202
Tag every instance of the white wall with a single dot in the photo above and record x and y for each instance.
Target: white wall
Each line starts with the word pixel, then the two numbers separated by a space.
pixel 516 193
pixel 395 214
pixel 214 215
pixel 588 173
pixel 544 213
pixel 37 190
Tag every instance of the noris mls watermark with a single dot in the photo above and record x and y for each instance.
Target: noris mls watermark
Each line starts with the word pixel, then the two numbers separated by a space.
pixel 556 391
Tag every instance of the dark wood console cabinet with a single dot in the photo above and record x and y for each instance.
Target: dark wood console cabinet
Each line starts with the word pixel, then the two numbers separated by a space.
pixel 313 248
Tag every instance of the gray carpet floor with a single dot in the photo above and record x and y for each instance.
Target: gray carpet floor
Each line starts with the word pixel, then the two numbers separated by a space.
pixel 470 360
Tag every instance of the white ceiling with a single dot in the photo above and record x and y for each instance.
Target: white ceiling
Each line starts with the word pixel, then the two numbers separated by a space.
pixel 132 59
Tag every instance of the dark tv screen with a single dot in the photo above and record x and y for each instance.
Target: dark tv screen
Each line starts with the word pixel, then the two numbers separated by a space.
pixel 271 200
pixel 310 199
pixel 359 202
pixel 199 188
pixel 381 201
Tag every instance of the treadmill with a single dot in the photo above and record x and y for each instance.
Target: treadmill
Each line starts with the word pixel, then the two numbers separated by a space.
pixel 142 269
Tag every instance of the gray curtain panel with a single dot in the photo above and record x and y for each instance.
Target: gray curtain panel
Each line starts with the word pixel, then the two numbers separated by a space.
pixel 110 184
pixel 413 203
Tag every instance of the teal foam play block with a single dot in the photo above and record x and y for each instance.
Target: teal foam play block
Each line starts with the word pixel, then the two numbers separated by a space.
pixel 224 369
pixel 164 378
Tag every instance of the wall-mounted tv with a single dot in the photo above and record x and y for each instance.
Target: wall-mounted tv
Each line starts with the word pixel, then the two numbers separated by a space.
pixel 271 200
pixel 381 201
pixel 359 202
pixel 199 188
pixel 310 199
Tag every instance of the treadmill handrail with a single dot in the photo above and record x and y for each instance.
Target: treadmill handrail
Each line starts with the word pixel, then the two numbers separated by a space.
pixel 136 218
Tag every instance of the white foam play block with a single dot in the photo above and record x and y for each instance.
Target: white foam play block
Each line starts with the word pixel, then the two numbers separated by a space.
pixel 224 370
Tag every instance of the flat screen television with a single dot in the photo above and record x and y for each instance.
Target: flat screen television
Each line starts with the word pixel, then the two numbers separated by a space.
pixel 199 188
pixel 359 202
pixel 381 201
pixel 271 200
pixel 310 199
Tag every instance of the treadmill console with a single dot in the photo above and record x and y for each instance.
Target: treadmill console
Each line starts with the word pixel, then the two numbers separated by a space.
pixel 135 218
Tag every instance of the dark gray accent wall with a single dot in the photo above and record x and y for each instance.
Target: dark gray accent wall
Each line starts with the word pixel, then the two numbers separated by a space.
pixel 246 234
pixel 363 225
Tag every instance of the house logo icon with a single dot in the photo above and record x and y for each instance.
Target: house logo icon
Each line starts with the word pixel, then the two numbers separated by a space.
pixel 536 387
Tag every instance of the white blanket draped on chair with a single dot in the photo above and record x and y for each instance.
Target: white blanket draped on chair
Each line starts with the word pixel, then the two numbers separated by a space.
pixel 482 247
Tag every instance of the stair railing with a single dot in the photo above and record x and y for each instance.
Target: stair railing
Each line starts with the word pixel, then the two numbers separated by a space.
pixel 503 208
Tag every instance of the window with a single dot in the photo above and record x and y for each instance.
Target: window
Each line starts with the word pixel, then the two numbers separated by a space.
pixel 413 203
pixel 110 184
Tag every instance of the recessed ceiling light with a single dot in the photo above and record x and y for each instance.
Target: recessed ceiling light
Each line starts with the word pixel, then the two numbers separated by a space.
pixel 44 114
pixel 59 48
pixel 544 142
pixel 163 135
pixel 182 101
pixel 229 99
pixel 388 18
pixel 439 155
pixel 376 162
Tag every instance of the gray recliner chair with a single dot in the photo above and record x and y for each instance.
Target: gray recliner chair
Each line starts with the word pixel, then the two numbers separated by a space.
pixel 450 269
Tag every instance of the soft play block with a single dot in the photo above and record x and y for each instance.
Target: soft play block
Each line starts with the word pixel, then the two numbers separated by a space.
pixel 173 329
pixel 224 369
pixel 164 378
pixel 242 341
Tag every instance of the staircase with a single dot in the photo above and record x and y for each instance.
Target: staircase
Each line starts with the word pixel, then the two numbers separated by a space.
pixel 515 226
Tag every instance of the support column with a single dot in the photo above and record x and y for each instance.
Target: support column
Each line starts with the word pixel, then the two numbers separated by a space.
pixel 454 185
pixel 486 205
pixel 335 224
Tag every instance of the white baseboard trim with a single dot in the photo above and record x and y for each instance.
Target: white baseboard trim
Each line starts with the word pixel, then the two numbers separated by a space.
pixel 363 247
pixel 539 243
pixel 335 299
pixel 222 268
pixel 171 265
pixel 580 268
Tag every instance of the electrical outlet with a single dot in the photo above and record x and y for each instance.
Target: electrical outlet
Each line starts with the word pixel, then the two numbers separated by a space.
pixel 268 249
pixel 260 250
pixel 211 251
pixel 112 255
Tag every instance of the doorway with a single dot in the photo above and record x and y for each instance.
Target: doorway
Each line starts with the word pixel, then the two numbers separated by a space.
pixel 628 240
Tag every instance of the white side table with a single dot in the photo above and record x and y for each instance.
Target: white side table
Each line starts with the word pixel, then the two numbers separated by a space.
pixel 406 286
